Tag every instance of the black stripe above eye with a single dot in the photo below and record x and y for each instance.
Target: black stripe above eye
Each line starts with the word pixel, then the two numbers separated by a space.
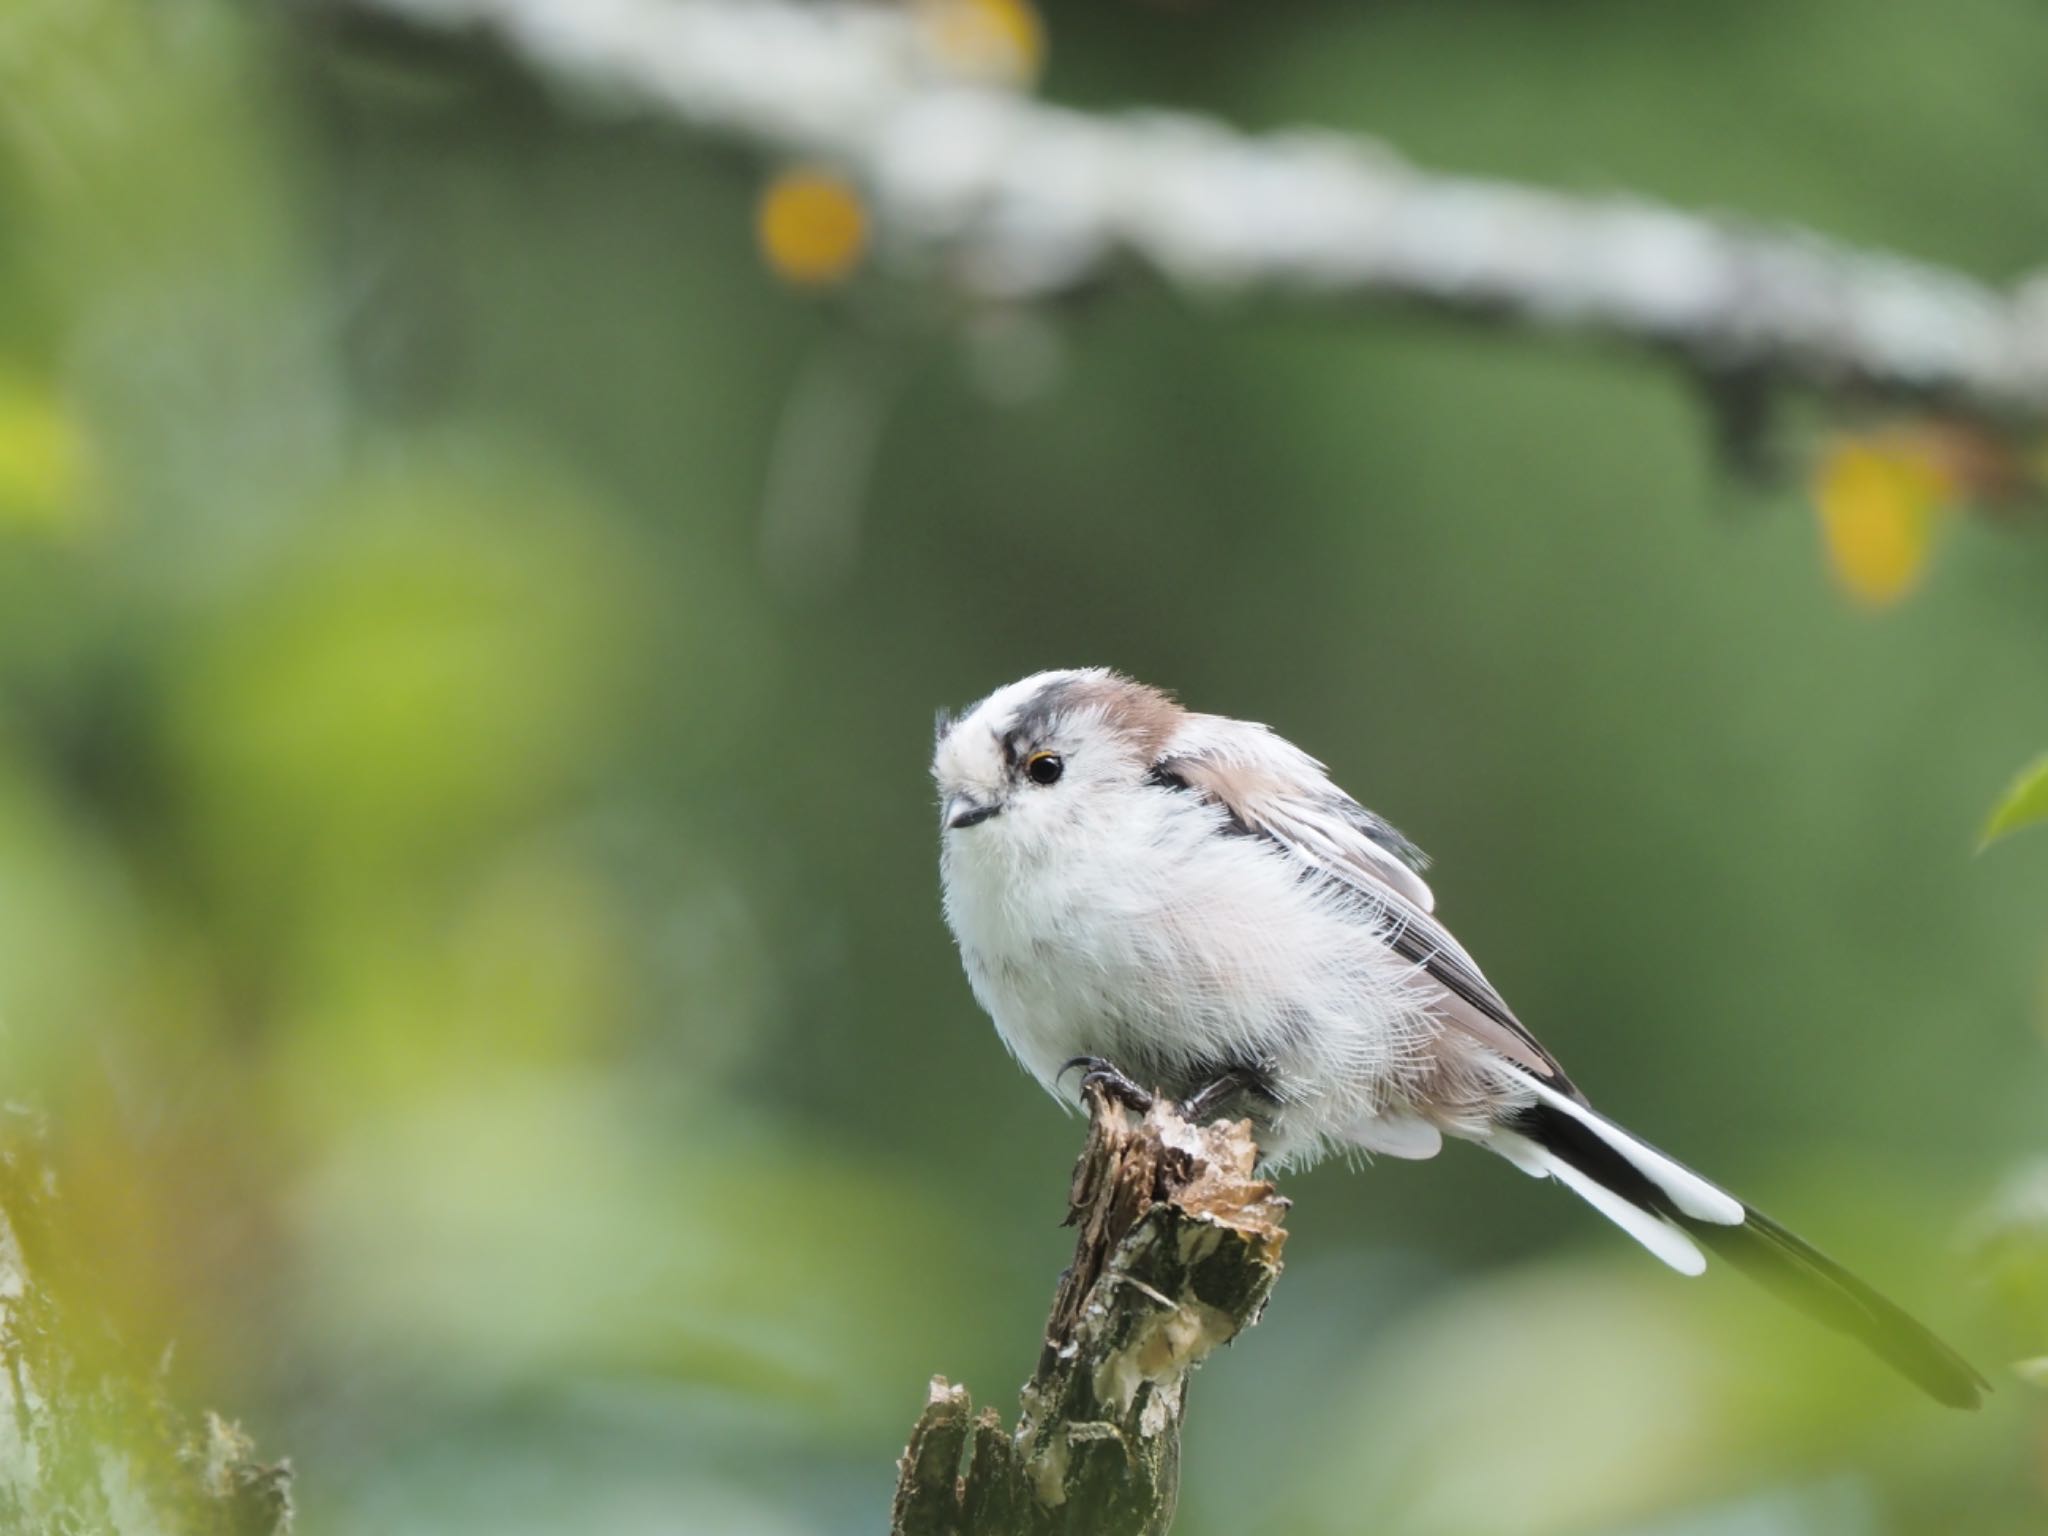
pixel 1040 716
pixel 1165 778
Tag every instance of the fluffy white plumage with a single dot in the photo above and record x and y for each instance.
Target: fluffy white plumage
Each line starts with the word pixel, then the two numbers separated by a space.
pixel 1190 898
pixel 1118 916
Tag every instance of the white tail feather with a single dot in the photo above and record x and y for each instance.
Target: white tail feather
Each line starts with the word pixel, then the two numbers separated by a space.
pixel 1646 1227
pixel 1398 1136
pixel 1693 1195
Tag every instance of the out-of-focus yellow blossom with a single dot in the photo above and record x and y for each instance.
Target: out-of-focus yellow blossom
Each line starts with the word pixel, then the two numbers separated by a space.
pixel 1883 500
pixel 811 227
pixel 998 41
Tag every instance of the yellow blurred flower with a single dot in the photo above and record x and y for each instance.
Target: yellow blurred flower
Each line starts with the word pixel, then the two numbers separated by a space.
pixel 811 227
pixel 1883 499
pixel 997 41
pixel 42 459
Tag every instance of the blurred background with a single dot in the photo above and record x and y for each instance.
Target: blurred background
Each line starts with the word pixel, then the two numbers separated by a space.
pixel 472 606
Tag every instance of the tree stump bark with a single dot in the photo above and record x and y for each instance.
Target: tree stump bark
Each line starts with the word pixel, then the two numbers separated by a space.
pixel 89 1439
pixel 1178 1249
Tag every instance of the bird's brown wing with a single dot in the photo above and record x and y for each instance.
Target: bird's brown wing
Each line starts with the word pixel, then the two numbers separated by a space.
pixel 1271 789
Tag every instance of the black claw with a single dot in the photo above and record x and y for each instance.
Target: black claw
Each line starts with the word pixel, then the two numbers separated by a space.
pixel 1202 1100
pixel 1120 1088
pixel 1099 1073
pixel 1090 1063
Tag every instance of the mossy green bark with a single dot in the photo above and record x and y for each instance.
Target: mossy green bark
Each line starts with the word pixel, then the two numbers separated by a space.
pixel 89 1440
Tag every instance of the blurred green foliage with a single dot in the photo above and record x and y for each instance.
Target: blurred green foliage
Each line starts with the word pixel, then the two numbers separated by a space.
pixel 472 917
pixel 2024 805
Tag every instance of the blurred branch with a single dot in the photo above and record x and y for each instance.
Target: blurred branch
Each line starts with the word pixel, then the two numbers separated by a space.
pixel 90 1443
pixel 1012 197
pixel 1179 1247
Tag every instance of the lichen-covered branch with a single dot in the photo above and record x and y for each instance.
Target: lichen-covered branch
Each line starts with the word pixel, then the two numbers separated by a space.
pixel 1179 1245
pixel 89 1441
pixel 984 187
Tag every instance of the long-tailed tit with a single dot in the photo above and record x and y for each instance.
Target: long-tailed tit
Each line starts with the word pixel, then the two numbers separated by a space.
pixel 1185 903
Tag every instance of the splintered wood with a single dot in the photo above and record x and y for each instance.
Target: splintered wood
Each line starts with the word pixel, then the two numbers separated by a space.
pixel 1178 1248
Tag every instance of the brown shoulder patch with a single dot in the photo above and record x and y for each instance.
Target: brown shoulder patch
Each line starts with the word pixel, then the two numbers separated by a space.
pixel 1241 788
pixel 1144 715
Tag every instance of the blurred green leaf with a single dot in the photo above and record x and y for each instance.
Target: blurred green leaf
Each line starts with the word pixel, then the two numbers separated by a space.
pixel 42 459
pixel 2025 804
pixel 2008 1244
pixel 552 1225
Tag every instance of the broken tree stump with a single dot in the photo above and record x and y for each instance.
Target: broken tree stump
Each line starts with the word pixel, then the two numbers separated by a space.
pixel 1179 1246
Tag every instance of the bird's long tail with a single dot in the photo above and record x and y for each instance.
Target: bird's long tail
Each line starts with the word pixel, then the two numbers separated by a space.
pixel 1674 1212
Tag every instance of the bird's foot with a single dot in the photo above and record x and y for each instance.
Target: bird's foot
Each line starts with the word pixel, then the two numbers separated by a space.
pixel 1235 1082
pixel 1105 1075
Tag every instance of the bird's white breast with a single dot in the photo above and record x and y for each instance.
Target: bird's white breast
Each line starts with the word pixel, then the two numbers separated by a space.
pixel 1146 929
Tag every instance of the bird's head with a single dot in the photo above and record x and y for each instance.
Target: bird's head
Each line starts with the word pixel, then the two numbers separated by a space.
pixel 1036 757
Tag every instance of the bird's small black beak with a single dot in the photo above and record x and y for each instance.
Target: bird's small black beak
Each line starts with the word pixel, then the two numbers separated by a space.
pixel 963 812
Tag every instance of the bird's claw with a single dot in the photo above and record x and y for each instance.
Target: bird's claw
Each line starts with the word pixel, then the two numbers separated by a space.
pixel 1106 1076
pixel 1248 1082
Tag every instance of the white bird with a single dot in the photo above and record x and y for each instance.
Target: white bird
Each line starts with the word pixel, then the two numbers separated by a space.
pixel 1185 903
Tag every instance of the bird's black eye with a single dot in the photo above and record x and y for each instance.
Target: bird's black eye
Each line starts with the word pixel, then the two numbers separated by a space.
pixel 1044 767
